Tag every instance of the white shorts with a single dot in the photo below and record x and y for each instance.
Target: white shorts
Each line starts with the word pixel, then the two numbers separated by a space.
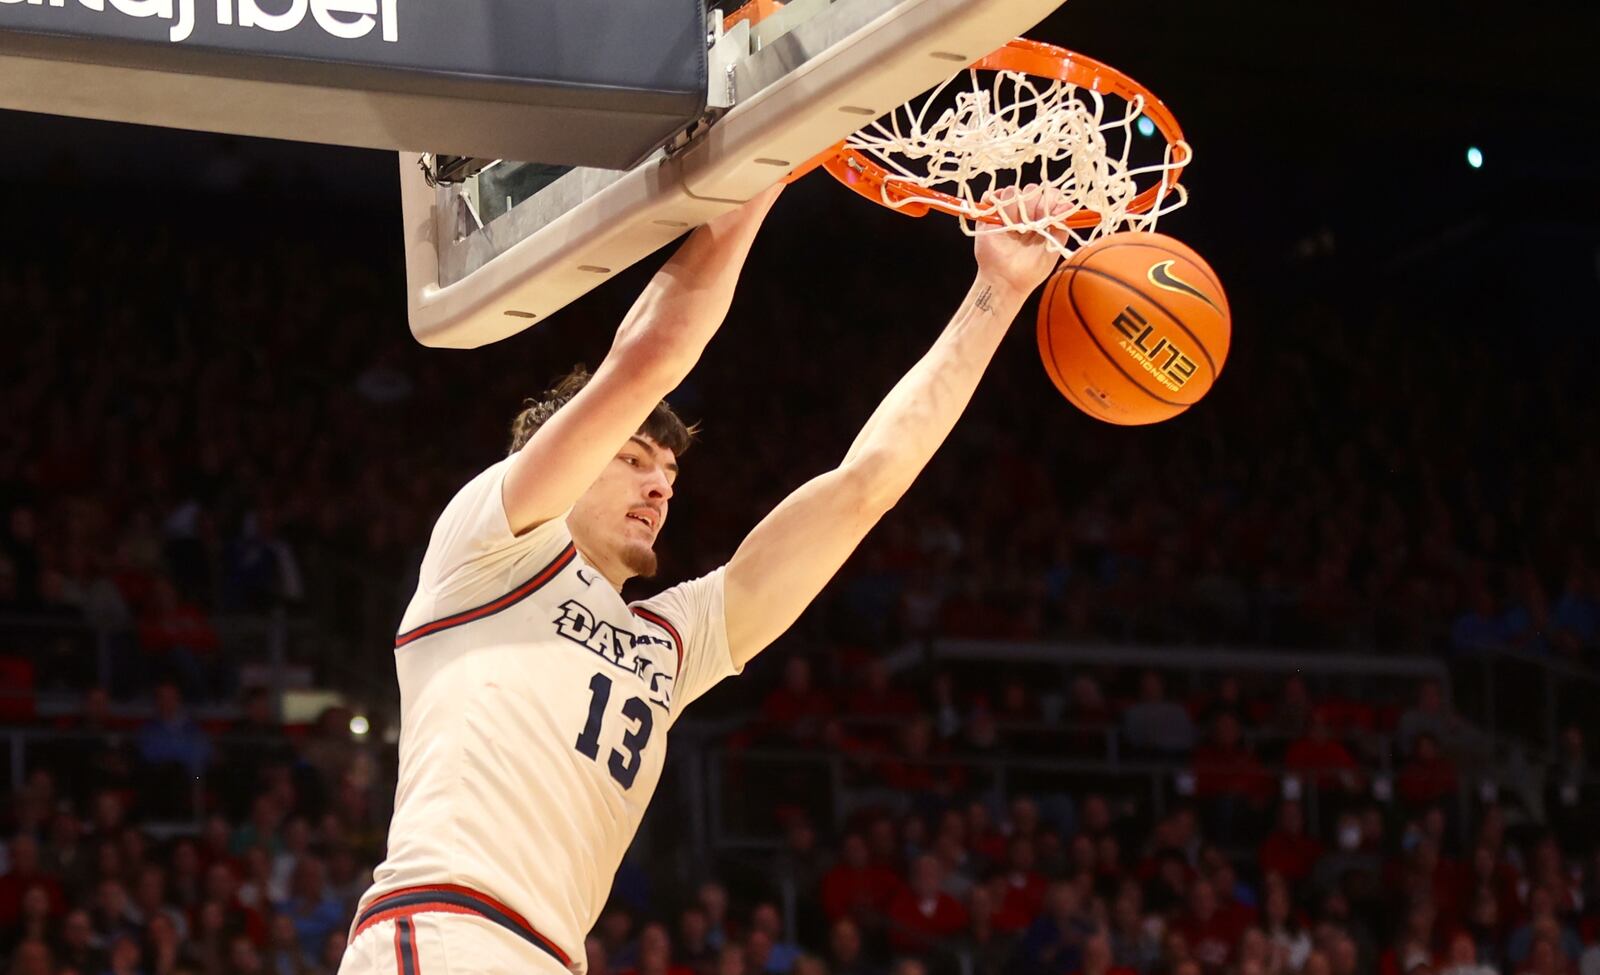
pixel 447 931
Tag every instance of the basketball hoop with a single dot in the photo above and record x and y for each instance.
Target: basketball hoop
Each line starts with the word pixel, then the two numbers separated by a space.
pixel 1030 114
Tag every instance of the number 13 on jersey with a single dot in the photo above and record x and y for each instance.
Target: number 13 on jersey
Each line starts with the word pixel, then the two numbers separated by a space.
pixel 623 768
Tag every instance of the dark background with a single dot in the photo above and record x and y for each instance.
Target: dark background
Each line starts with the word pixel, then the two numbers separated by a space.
pixel 1398 463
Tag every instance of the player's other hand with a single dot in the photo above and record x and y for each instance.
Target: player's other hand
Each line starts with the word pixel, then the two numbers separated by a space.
pixel 1021 260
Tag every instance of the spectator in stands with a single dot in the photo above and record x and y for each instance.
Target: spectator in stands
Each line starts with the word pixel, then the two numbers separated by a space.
pixel 1097 958
pixel 1281 923
pixel 1293 710
pixel 1323 761
pixel 163 943
pixel 856 887
pixel 595 958
pixel 1155 724
pixel 731 961
pixel 1588 963
pixel 844 949
pixel 78 947
pixel 177 638
pixel 795 711
pixel 1429 715
pixel 33 919
pixel 175 752
pixel 1572 791
pixel 1088 715
pixel 1236 900
pixel 1575 622
pixel 1054 942
pixel 329 751
pixel 262 831
pixel 243 958
pixel 1461 958
pixel 1288 851
pixel 256 742
pixel 919 770
pixel 20 548
pixel 1231 784
pixel 1429 777
pixel 1209 932
pixel 1254 953
pixel 1526 620
pixel 693 948
pixel 782 954
pixel 617 934
pixel 1480 627
pixel 878 696
pixel 32 958
pixel 25 873
pixel 150 899
pixel 655 953
pixel 989 944
pixel 333 952
pixel 922 916
pixel 113 913
pixel 1546 957
pixel 1542 925
pixel 713 899
pixel 1133 944
pixel 1025 887
pixel 1414 944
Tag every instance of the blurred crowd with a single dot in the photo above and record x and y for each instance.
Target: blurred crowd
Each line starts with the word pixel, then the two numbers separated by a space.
pixel 202 431
pixel 1270 850
pixel 199 432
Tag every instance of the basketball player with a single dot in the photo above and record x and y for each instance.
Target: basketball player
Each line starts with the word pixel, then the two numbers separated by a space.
pixel 535 702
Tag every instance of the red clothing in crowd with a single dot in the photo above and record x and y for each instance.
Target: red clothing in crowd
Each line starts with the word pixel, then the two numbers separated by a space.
pixel 14 885
pixel 1220 771
pixel 1319 761
pixel 891 702
pixel 671 970
pixel 796 716
pixel 1423 783
pixel 1211 940
pixel 917 925
pixel 903 776
pixel 181 626
pixel 990 846
pixel 1389 962
pixel 1293 856
pixel 852 891
pixel 1023 901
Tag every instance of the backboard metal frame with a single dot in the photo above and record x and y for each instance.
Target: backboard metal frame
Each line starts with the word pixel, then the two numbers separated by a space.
pixel 798 83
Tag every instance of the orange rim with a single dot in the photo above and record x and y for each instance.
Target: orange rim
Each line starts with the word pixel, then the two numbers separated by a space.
pixel 861 173
pixel 755 11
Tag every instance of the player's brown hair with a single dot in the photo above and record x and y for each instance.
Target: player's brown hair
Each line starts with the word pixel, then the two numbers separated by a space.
pixel 662 425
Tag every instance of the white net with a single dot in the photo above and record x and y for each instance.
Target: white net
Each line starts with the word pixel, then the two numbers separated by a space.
pixel 1015 130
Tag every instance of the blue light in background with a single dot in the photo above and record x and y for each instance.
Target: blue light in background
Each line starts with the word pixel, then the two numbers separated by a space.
pixel 1475 157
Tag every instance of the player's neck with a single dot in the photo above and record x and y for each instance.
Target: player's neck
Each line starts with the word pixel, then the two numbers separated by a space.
pixel 614 573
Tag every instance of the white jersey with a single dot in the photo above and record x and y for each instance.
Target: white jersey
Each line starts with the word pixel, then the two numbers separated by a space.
pixel 534 709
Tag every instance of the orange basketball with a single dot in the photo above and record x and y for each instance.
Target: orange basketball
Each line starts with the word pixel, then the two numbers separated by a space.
pixel 1134 328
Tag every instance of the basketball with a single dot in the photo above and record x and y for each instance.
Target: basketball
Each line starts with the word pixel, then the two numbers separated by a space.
pixel 1134 328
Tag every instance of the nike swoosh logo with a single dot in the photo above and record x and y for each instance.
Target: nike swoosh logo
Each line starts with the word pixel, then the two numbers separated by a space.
pixel 587 582
pixel 1162 277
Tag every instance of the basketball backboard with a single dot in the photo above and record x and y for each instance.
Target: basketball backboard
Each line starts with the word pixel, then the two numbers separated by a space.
pixel 493 247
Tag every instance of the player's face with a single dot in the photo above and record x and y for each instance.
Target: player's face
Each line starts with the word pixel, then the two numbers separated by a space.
pixel 616 522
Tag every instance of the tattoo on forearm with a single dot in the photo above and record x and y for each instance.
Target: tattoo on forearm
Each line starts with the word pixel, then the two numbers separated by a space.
pixel 985 302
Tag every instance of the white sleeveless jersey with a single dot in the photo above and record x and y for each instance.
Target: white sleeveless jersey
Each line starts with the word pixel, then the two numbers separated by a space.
pixel 535 706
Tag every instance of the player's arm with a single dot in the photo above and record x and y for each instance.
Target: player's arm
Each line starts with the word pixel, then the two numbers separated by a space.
pixel 787 559
pixel 659 341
